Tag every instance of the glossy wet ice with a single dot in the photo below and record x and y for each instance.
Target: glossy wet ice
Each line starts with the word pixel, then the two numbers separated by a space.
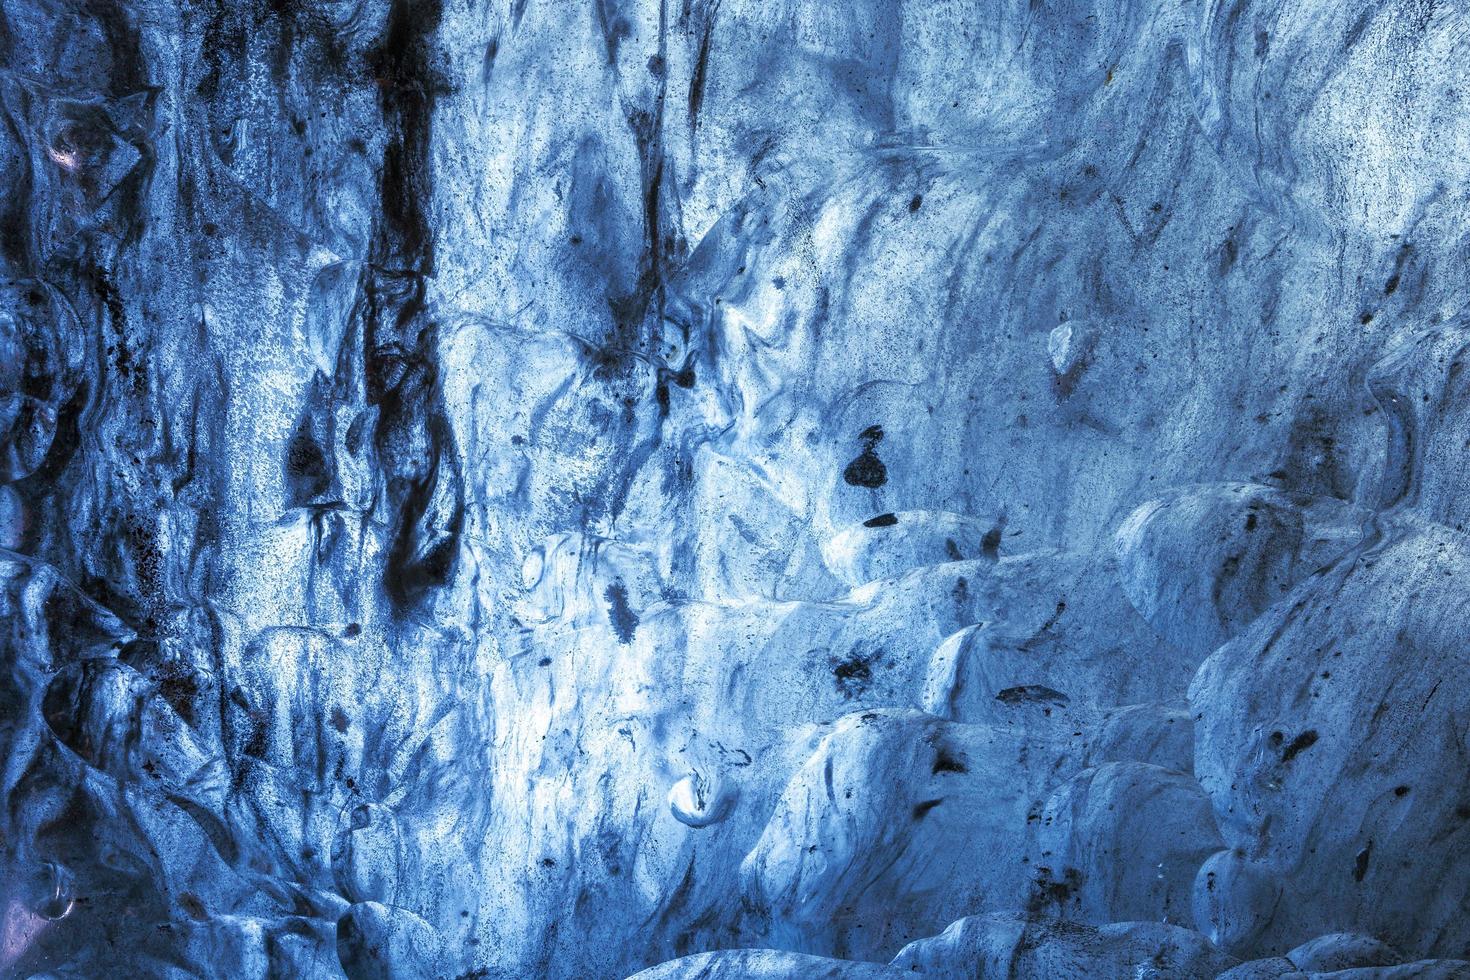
pixel 735 489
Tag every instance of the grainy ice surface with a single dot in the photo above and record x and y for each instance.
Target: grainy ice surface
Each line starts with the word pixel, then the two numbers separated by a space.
pixel 500 489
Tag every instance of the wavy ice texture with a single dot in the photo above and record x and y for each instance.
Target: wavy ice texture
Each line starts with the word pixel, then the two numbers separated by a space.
pixel 734 488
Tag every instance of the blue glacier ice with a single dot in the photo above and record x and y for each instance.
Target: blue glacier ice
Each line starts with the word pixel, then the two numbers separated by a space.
pixel 498 489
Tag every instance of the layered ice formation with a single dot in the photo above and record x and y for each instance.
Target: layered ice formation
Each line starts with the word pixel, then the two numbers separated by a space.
pixel 734 489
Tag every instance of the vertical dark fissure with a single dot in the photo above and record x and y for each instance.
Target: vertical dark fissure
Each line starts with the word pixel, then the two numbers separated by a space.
pixel 413 439
pixel 639 315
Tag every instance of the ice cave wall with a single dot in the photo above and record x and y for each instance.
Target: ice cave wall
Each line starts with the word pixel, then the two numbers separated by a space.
pixel 543 489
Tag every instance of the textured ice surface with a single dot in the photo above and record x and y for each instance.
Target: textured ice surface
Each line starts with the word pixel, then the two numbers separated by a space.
pixel 734 488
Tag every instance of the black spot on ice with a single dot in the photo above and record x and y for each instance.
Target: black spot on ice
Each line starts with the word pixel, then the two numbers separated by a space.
pixel 624 621
pixel 855 673
pixel 922 809
pixel 944 762
pixel 867 470
pixel 1299 745
pixel 1032 694
pixel 1360 866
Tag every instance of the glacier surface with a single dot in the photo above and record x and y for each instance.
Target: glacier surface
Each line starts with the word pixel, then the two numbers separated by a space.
pixel 735 489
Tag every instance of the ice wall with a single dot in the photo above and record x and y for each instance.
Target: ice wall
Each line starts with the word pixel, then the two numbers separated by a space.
pixel 734 488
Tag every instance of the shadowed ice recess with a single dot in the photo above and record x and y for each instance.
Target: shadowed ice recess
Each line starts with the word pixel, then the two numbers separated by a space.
pixel 499 489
